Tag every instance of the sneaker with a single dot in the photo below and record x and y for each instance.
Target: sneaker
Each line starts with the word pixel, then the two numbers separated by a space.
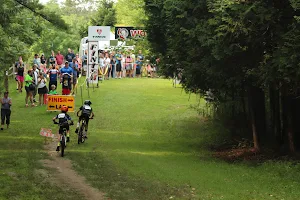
pixel 76 131
pixel 85 137
pixel 57 148
pixel 26 105
pixel 1 129
pixel 68 139
pixel 33 105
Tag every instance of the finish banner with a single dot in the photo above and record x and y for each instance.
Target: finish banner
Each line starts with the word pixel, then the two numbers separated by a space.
pixel 55 102
pixel 92 69
pixel 123 33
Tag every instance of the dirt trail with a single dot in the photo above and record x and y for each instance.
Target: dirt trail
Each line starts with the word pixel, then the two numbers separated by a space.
pixel 65 175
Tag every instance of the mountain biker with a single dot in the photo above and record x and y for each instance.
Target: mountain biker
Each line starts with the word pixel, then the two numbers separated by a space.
pixel 86 113
pixel 63 119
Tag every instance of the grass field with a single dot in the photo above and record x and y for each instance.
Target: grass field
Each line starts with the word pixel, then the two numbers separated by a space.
pixel 144 143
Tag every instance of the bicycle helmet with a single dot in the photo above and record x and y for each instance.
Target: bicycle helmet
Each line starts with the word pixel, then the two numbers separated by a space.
pixel 87 102
pixel 64 109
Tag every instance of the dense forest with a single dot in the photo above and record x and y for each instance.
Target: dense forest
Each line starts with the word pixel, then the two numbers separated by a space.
pixel 245 52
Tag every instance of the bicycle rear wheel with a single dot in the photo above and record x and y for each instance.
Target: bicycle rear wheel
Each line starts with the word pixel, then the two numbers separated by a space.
pixel 62 145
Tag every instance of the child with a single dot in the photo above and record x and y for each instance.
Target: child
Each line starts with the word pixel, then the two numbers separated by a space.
pixel 63 121
pixel 86 113
pixel 53 90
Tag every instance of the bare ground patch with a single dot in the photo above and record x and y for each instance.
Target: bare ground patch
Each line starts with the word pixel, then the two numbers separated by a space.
pixel 65 176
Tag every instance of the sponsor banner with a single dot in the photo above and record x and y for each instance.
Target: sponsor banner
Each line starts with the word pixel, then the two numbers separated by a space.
pixel 92 71
pixel 46 132
pixel 124 33
pixel 99 33
pixel 55 102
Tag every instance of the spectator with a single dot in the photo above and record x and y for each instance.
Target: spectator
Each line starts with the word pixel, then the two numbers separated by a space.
pixel 16 71
pixel 66 79
pixel 140 56
pixel 52 59
pixel 53 90
pixel 119 65
pixel 5 110
pixel 107 64
pixel 53 72
pixel 128 66
pixel 29 87
pixel 35 75
pixel 113 65
pixel 20 75
pixel 43 64
pixel 84 62
pixel 101 66
pixel 70 56
pixel 123 65
pixel 79 62
pixel 59 59
pixel 75 69
pixel 37 61
pixel 42 88
pixel 138 66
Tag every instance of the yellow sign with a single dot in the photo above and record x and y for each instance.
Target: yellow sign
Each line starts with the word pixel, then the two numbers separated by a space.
pixel 55 102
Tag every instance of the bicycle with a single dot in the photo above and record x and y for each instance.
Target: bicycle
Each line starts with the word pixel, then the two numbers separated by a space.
pixel 63 140
pixel 81 134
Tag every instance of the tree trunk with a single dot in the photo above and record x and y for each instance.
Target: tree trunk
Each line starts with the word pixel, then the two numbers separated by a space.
pixel 275 114
pixel 251 105
pixel 5 80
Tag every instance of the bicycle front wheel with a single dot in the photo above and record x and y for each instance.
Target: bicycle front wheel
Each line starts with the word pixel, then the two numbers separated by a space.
pixel 62 145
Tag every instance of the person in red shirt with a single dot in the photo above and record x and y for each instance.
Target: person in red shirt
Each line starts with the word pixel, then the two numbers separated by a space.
pixel 59 59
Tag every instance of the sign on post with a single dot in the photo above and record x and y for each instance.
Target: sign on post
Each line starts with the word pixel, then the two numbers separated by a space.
pixel 99 33
pixel 46 132
pixel 55 102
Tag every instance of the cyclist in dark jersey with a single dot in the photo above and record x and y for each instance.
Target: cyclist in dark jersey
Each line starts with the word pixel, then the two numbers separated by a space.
pixel 86 114
pixel 63 120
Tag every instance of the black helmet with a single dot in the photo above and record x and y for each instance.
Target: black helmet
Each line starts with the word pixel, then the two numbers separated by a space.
pixel 87 102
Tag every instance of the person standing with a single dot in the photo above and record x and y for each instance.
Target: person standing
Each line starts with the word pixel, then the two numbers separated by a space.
pixel 84 62
pixel 119 65
pixel 66 79
pixel 79 62
pixel 52 59
pixel 43 67
pixel 53 76
pixel 107 65
pixel 75 69
pixel 138 66
pixel 42 88
pixel 29 87
pixel 35 75
pixel 20 75
pixel 5 110
pixel 140 56
pixel 113 66
pixel 70 55
pixel 59 59
pixel 37 61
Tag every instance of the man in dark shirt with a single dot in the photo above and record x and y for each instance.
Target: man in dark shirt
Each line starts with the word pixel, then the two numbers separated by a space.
pixel 70 56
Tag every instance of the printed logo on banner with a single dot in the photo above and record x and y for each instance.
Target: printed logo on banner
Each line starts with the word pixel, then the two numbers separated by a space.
pixel 124 33
pixel 99 31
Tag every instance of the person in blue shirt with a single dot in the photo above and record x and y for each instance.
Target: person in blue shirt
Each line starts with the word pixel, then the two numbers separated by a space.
pixel 118 64
pixel 138 66
pixel 75 69
pixel 66 74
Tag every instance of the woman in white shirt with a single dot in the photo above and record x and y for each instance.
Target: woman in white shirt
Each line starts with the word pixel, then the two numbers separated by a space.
pixel 107 65
pixel 42 88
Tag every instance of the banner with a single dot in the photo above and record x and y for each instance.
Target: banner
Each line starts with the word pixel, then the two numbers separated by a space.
pixel 124 33
pixel 55 102
pixel 92 70
pixel 99 33
pixel 46 132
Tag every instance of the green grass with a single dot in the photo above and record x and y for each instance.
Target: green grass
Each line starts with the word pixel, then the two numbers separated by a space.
pixel 144 143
